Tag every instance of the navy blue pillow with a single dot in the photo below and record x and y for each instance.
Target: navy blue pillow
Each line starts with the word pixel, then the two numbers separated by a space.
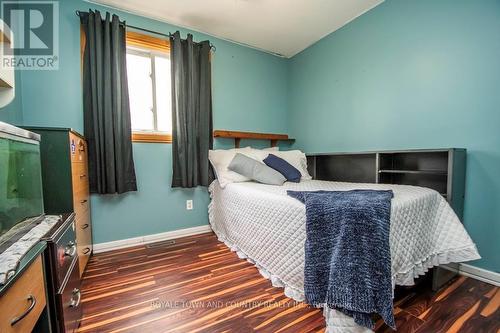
pixel 286 169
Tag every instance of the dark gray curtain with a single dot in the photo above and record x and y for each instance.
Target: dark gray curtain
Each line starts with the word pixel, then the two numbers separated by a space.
pixel 191 111
pixel 106 105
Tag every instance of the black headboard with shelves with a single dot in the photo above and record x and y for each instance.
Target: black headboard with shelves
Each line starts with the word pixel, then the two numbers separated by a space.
pixel 440 169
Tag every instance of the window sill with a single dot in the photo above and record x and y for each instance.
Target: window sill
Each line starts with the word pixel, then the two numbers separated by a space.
pixel 151 137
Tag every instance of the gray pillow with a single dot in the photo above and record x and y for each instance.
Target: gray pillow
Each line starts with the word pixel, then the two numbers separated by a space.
pixel 255 170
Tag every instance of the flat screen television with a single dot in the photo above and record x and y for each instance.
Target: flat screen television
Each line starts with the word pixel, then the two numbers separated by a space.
pixel 21 196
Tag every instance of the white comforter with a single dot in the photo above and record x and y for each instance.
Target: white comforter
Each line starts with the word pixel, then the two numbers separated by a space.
pixel 266 226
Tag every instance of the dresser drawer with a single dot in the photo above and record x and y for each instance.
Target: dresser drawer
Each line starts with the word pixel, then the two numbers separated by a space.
pixel 23 303
pixel 81 202
pixel 79 176
pixel 81 194
pixel 83 226
pixel 84 240
pixel 78 149
pixel 69 301
pixel 82 219
pixel 65 246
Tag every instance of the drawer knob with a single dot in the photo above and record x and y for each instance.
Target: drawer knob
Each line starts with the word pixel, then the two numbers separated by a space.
pixel 83 201
pixel 83 175
pixel 70 250
pixel 32 301
pixel 85 226
pixel 74 303
pixel 86 250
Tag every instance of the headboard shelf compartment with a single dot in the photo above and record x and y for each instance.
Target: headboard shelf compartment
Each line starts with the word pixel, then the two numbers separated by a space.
pixel 238 135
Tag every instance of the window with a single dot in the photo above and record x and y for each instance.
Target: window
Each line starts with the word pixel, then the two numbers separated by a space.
pixel 148 71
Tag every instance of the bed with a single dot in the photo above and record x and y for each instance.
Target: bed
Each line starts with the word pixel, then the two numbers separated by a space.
pixel 267 227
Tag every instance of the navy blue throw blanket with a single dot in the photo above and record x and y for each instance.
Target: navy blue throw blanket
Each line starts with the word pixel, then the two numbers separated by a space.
pixel 347 252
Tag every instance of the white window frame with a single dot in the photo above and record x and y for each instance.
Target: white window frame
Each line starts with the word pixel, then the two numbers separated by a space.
pixel 151 54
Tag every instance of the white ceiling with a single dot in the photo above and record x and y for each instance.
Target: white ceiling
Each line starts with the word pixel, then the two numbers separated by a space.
pixel 285 27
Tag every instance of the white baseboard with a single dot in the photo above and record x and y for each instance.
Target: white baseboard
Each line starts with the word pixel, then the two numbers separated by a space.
pixel 476 273
pixel 124 243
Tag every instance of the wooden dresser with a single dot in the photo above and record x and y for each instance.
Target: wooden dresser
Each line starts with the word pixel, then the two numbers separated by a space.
pixel 65 182
pixel 23 299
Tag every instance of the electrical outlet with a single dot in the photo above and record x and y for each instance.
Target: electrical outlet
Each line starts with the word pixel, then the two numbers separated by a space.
pixel 189 204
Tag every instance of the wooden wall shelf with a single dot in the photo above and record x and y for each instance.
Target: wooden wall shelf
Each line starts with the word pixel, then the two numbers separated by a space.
pixel 237 136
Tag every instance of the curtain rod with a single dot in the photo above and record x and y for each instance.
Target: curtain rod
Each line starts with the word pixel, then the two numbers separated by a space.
pixel 212 46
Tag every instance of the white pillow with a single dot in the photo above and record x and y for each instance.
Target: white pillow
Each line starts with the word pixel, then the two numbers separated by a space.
pixel 259 154
pixel 266 149
pixel 297 159
pixel 220 160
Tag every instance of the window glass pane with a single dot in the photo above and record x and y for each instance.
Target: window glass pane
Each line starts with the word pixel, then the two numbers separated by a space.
pixel 163 94
pixel 140 87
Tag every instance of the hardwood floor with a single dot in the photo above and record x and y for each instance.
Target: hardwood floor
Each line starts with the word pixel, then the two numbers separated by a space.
pixel 199 285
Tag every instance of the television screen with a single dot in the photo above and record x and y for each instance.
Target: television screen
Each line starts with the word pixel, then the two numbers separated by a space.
pixel 20 183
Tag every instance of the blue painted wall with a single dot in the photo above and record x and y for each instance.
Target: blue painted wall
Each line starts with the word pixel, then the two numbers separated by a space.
pixel 411 74
pixel 249 93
